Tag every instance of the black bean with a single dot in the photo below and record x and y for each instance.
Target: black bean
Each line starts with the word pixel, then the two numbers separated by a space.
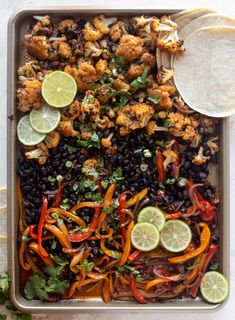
pixel 207 153
pixel 202 175
pixel 187 203
pixel 187 165
pixel 201 130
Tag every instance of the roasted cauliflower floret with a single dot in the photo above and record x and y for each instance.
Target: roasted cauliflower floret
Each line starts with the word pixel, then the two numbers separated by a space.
pixel 89 166
pixel 152 127
pixel 90 107
pixel 92 49
pixel 37 46
pixel 171 43
pixel 91 34
pixel 180 105
pixel 67 25
pixel 195 143
pixel 135 70
pixel 43 27
pixel 30 95
pixel 29 70
pixel 130 47
pixel 72 112
pixel 183 126
pixel 63 49
pixel 104 92
pixel 170 156
pixel 200 158
pixel 106 142
pixel 102 24
pixel 105 123
pixel 120 83
pixel 41 153
pixel 135 116
pixel 148 59
pixel 101 68
pixel 164 75
pixel 85 75
pixel 212 144
pixel 164 93
pixel 52 139
pixel 65 127
pixel 117 31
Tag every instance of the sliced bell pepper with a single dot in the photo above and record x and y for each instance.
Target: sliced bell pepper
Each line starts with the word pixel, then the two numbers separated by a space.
pixel 127 246
pixel 176 163
pixel 111 253
pixel 22 261
pixel 160 167
pixel 138 296
pixel 134 255
pixel 138 197
pixel 43 215
pixel 98 183
pixel 81 236
pixel 58 197
pixel 204 243
pixel 107 202
pixel 212 251
pixel 34 236
pixel 122 217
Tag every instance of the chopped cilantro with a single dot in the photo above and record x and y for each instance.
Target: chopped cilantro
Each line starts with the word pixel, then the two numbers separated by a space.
pixel 154 99
pixel 141 81
pixel 86 266
pixel 170 181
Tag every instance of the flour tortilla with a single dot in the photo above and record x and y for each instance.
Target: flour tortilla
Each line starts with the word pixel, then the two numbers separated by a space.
pixel 207 20
pixel 164 58
pixel 205 72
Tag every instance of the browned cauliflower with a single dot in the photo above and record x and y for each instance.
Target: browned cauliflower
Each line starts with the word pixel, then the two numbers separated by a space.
pixel 180 105
pixel 120 83
pixel 106 142
pixel 29 70
pixel 135 70
pixel 37 46
pixel 200 158
pixel 117 31
pixel 212 144
pixel 164 93
pixel 30 95
pixel 91 34
pixel 130 47
pixel 104 92
pixel 67 25
pixel 170 156
pixel 171 43
pixel 134 116
pixel 43 27
pixel 92 49
pixel 85 75
pixel 52 139
pixel 89 166
pixel 148 59
pixel 153 24
pixel 101 68
pixel 90 107
pixel 63 49
pixel 41 153
pixel 105 123
pixel 164 75
pixel 102 24
pixel 152 127
pixel 183 126
pixel 73 111
pixel 65 127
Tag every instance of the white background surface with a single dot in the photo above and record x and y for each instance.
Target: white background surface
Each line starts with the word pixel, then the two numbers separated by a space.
pixel 225 6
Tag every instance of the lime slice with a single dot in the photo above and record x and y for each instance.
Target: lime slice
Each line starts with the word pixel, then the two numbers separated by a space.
pixel 59 89
pixel 26 134
pixel 45 119
pixel 175 236
pixel 145 236
pixel 214 287
pixel 153 215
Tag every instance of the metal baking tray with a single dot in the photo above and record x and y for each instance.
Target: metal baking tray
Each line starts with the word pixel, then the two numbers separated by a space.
pixel 18 24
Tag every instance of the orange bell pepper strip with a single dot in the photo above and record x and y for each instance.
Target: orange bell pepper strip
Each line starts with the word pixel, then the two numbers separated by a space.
pixel 194 273
pixel 59 235
pixel 138 197
pixel 19 198
pixel 155 282
pixel 48 262
pixel 23 264
pixel 160 167
pixel 67 214
pixel 107 202
pixel 204 243
pixel 127 247
pixel 33 265
pixel 88 204
pixel 111 253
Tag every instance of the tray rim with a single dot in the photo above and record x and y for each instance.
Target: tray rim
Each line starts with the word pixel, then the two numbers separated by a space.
pixel 21 303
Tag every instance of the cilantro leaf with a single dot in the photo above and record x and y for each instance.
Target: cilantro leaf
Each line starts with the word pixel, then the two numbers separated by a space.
pixel 57 285
pixel 35 287
pixel 53 272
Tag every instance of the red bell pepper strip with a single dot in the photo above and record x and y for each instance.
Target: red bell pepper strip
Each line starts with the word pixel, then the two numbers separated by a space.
pixel 212 251
pixel 43 215
pixel 122 217
pixel 176 163
pixel 160 167
pixel 138 296
pixel 176 215
pixel 81 236
pixel 58 198
pixel 98 183
pixel 34 236
pixel 133 255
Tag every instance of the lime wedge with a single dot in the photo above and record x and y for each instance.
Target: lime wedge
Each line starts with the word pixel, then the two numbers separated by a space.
pixel 175 236
pixel 153 215
pixel 45 119
pixel 145 236
pixel 59 89
pixel 26 134
pixel 214 287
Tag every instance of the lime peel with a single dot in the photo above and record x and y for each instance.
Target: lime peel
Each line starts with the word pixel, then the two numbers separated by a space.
pixel 214 287
pixel 26 134
pixel 153 215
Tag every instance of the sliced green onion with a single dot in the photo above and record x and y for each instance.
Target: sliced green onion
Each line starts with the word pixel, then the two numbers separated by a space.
pixel 159 143
pixel 68 164
pixel 144 167
pixel 55 215
pixel 51 179
pixel 170 181
pixel 68 177
pixel 59 177
pixel 147 153
pixel 182 182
